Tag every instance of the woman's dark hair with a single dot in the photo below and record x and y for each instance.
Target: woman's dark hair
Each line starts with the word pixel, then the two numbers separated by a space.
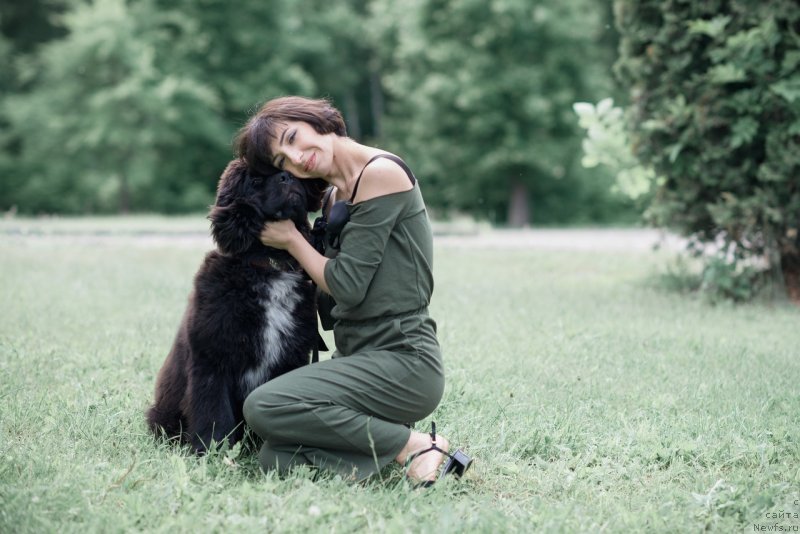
pixel 252 141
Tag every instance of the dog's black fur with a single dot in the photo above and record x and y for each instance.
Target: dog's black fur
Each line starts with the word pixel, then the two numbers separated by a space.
pixel 250 317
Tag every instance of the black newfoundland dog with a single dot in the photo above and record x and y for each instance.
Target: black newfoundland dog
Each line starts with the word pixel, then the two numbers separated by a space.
pixel 250 317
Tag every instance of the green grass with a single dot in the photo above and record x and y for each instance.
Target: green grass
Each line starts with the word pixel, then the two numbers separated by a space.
pixel 591 398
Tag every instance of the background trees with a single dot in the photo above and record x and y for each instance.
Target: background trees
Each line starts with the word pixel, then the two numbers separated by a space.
pixel 715 110
pixel 111 103
pixel 119 106
pixel 114 106
pixel 482 99
pixel 131 109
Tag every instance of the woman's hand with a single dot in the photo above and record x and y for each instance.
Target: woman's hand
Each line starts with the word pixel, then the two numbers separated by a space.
pixel 279 234
pixel 284 235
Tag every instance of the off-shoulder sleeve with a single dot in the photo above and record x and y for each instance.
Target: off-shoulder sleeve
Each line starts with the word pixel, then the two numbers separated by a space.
pixel 363 241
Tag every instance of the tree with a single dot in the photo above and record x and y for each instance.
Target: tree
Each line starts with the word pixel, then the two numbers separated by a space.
pixel 333 50
pixel 23 27
pixel 134 106
pixel 246 52
pixel 715 89
pixel 140 101
pixel 28 24
pixel 7 184
pixel 483 101
pixel 109 113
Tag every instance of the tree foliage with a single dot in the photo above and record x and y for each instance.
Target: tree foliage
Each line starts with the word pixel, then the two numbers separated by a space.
pixel 119 105
pixel 486 91
pixel 112 107
pixel 715 88
pixel 606 143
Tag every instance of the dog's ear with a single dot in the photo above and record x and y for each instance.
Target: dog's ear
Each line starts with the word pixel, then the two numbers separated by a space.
pixel 235 226
pixel 234 222
pixel 233 179
pixel 315 190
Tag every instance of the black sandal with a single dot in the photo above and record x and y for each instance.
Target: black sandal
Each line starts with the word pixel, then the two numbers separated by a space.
pixel 457 463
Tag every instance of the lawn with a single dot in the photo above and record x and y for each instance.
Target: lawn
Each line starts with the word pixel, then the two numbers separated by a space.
pixel 592 398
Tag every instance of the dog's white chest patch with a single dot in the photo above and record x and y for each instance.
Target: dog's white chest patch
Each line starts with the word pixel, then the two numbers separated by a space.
pixel 279 306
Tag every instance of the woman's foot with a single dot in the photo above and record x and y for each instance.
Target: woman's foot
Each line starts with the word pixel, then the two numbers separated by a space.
pixel 425 467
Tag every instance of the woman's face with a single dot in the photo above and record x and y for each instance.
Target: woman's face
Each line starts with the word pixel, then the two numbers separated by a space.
pixel 300 150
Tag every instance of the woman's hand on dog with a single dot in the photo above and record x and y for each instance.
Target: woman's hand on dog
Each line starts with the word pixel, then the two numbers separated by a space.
pixel 284 235
pixel 279 234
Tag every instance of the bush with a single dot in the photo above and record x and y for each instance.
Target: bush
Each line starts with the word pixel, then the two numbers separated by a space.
pixel 606 143
pixel 715 111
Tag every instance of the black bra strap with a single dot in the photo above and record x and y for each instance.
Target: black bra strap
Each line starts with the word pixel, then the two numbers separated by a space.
pixel 388 156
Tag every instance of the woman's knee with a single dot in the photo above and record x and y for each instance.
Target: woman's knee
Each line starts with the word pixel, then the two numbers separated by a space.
pixel 250 408
pixel 264 409
pixel 256 409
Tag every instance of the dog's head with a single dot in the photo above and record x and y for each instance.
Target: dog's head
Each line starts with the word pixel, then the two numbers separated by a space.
pixel 247 199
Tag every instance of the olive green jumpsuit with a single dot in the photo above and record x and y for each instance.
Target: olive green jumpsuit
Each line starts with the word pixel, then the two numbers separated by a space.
pixel 349 414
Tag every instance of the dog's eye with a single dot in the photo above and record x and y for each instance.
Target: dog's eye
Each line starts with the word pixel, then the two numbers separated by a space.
pixel 257 181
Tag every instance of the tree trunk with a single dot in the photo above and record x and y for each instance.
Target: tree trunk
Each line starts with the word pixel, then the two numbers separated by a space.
pixel 518 206
pixel 783 258
pixel 124 194
pixel 790 268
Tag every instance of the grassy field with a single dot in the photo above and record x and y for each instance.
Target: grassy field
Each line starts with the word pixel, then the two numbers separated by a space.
pixel 592 399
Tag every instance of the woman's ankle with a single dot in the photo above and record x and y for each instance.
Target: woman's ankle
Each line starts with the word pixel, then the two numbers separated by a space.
pixel 425 465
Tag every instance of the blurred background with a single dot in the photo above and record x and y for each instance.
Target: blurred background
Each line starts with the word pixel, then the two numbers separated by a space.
pixel 684 114
pixel 114 106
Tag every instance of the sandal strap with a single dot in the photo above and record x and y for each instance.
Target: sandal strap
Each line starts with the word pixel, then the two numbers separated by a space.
pixel 433 447
pixel 417 454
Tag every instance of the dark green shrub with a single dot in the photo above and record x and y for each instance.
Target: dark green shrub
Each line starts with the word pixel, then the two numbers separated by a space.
pixel 727 279
pixel 715 110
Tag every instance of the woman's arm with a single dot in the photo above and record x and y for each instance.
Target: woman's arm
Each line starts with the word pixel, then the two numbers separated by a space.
pixel 312 261
pixel 382 177
pixel 284 235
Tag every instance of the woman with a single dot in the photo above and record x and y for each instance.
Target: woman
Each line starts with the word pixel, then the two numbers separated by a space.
pixel 350 413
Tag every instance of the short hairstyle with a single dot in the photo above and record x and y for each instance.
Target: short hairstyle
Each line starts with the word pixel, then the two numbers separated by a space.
pixel 253 139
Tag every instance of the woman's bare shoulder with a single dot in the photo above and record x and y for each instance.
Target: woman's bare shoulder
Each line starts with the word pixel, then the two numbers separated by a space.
pixel 382 177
